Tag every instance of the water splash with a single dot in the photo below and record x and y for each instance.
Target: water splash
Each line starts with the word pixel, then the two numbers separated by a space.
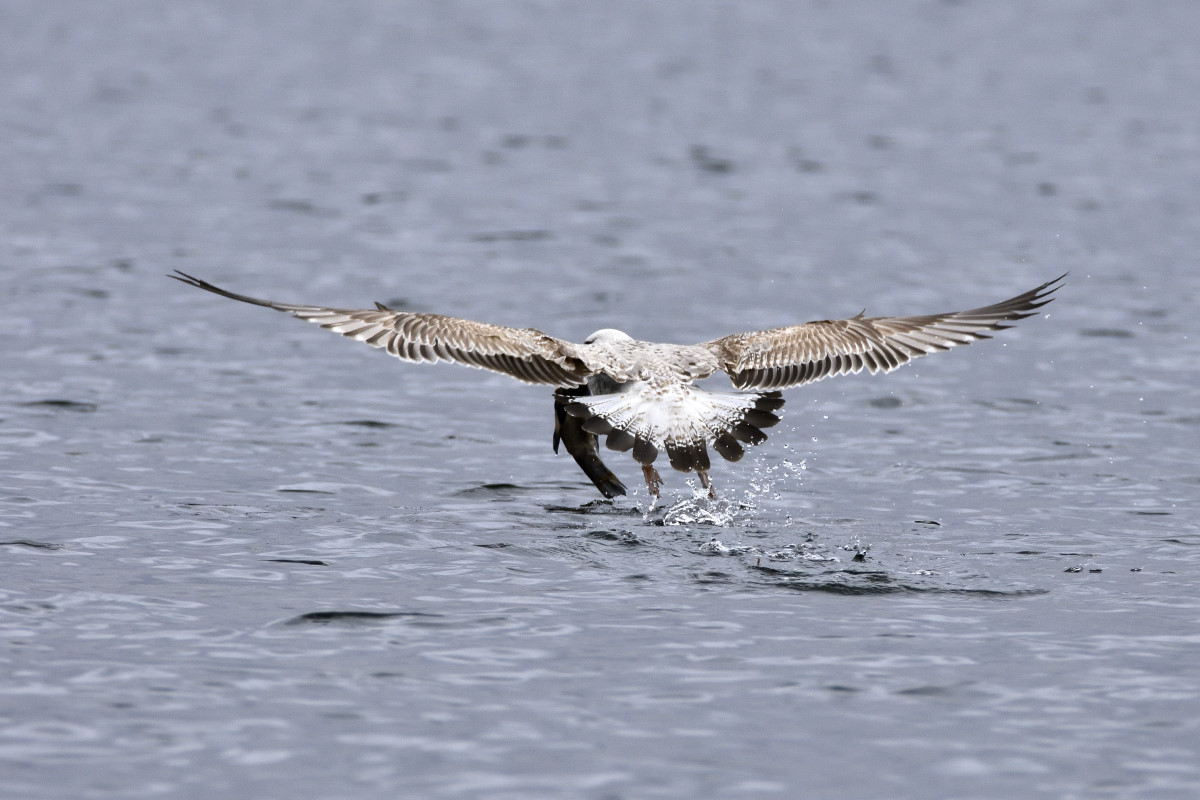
pixel 715 547
pixel 800 551
pixel 702 511
pixel 770 560
pixel 769 477
pixel 860 550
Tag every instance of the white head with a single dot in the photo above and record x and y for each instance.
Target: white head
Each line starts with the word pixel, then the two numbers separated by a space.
pixel 608 336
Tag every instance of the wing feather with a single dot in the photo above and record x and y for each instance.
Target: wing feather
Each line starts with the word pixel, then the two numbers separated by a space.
pixel 799 354
pixel 522 353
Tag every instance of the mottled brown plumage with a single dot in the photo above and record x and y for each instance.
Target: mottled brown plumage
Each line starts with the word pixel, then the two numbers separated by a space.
pixel 784 357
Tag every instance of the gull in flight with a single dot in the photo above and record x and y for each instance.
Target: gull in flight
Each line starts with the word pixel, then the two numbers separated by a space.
pixel 640 395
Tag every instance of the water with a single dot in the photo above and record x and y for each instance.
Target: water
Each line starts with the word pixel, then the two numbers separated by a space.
pixel 244 558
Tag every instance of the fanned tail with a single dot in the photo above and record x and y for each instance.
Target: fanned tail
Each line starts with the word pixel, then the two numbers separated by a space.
pixel 681 419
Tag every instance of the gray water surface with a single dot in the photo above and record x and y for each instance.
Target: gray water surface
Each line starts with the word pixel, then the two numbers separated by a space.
pixel 244 558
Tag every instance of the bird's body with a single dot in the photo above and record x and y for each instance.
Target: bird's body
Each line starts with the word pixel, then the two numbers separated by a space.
pixel 642 395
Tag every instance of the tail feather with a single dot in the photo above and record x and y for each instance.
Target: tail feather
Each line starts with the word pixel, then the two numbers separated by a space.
pixel 680 419
pixel 621 441
pixel 729 447
pixel 748 433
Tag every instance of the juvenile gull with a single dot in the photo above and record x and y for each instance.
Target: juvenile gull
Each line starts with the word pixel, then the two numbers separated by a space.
pixel 641 395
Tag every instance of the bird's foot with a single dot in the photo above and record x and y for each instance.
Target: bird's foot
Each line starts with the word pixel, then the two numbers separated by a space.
pixel 654 481
pixel 707 483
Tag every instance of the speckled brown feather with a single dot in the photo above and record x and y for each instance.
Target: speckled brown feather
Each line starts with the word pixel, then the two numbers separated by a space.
pixel 800 354
pixel 526 354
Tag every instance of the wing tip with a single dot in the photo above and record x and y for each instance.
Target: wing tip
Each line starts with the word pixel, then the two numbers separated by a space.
pixel 200 283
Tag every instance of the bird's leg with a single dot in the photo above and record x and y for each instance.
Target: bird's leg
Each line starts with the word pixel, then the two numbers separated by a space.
pixel 707 484
pixel 653 479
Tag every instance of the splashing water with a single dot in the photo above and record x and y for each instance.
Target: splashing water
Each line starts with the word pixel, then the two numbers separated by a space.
pixel 715 547
pixel 767 478
pixel 700 509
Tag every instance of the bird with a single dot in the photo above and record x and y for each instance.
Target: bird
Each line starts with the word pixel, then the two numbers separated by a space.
pixel 641 396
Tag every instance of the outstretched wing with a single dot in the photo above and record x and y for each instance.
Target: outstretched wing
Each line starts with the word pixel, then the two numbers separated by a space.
pixel 783 357
pixel 523 353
